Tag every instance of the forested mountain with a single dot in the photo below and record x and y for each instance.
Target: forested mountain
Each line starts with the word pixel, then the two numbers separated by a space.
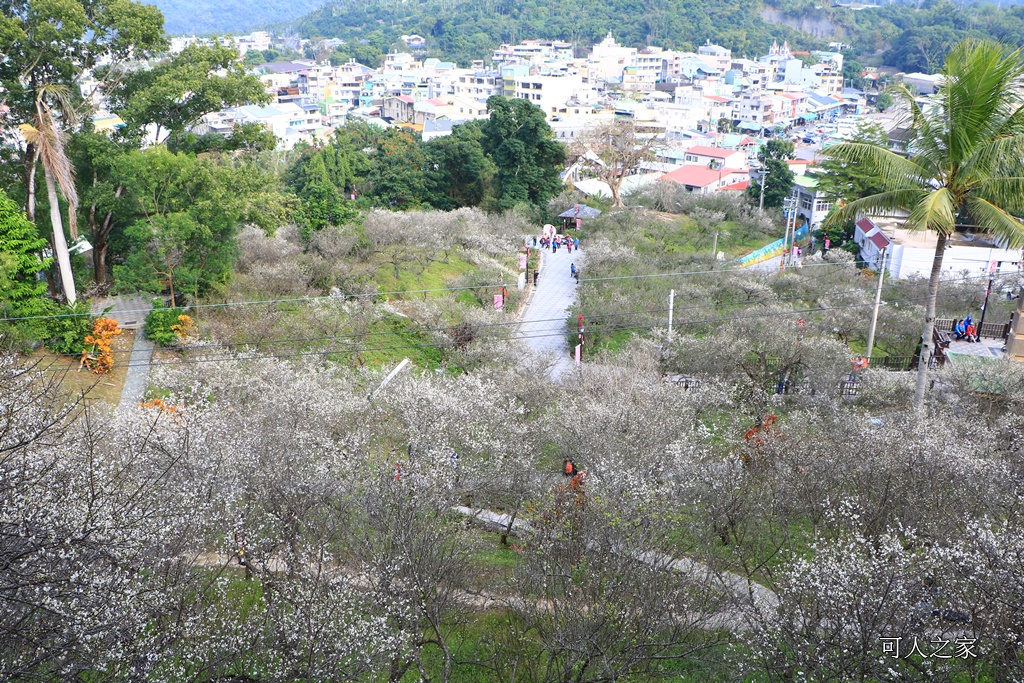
pixel 905 36
pixel 228 16
pixel 468 29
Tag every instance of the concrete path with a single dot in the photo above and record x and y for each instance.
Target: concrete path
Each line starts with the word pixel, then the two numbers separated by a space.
pixel 130 313
pixel 543 325
pixel 749 594
pixel 137 380
pixel 986 348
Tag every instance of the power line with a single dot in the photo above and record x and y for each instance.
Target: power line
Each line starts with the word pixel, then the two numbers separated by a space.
pixel 559 333
pixel 363 295
pixel 589 316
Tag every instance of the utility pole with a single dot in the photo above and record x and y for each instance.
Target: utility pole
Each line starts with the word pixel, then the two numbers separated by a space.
pixel 789 209
pixel 878 301
pixel 764 176
pixel 794 203
pixel 671 301
pixel 992 267
pixel 387 380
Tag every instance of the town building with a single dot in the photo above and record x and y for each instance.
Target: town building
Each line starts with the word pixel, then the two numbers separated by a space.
pixel 703 180
pixel 912 252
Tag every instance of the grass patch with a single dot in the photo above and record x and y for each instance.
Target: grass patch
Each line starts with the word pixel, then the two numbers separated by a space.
pixel 104 388
pixel 421 274
pixel 394 338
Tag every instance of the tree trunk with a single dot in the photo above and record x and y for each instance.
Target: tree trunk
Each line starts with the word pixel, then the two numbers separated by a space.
pixel 101 243
pixel 615 183
pixel 31 161
pixel 99 262
pixel 60 245
pixel 929 324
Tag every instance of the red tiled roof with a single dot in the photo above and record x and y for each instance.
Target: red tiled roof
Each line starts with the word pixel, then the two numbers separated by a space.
pixel 716 152
pixel 698 175
pixel 736 187
pixel 717 98
pixel 879 240
pixel 406 99
pixel 865 225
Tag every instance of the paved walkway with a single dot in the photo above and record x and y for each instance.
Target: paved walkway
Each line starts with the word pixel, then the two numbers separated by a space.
pixel 137 380
pixel 755 595
pixel 986 348
pixel 130 313
pixel 543 325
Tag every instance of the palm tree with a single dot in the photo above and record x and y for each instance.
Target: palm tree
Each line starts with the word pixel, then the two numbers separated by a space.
pixel 45 135
pixel 965 164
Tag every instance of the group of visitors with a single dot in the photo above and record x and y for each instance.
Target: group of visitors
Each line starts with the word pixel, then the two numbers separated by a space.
pixel 964 330
pixel 555 241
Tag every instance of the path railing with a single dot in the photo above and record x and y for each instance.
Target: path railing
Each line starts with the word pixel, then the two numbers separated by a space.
pixel 989 330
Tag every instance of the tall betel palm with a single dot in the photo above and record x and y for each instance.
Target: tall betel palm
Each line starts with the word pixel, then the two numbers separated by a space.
pixel 45 135
pixel 965 163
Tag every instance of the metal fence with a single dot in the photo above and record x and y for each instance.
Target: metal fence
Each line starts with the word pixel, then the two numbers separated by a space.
pixel 990 330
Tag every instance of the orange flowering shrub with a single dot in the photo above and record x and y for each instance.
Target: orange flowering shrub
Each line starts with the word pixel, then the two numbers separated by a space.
pixel 185 326
pixel 171 409
pixel 759 440
pixel 98 355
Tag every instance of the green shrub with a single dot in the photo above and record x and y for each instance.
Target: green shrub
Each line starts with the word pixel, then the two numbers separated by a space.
pixel 65 332
pixel 159 321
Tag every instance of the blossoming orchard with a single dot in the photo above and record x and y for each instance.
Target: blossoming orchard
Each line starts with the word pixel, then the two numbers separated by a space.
pixel 309 439
pixel 250 525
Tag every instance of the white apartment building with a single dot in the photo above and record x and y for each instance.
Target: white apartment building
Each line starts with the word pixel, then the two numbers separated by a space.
pixel 478 85
pixel 608 59
pixel 754 106
pixel 550 93
pixel 911 252
pixel 257 40
pixel 463 107
pixel 399 62
pixel 533 51
pixel 650 60
pixel 716 55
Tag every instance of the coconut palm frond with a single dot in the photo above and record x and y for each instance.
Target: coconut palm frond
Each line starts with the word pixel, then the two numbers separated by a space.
pixel 1013 124
pixel 914 115
pixel 992 157
pixel 50 140
pixel 994 220
pixel 1006 192
pixel 883 202
pixel 891 168
pixel 980 92
pixel 936 212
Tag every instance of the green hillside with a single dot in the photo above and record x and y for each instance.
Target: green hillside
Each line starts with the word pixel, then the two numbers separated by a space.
pixel 904 36
pixel 470 29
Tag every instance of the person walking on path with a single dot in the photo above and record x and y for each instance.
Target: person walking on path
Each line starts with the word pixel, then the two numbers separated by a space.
pixel 543 320
pixel 572 269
